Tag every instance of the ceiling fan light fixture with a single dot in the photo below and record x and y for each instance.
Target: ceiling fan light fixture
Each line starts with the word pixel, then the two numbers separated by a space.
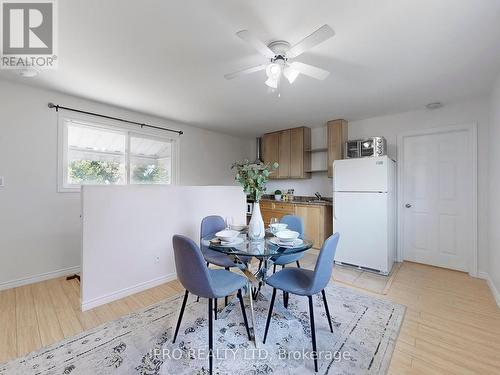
pixel 290 74
pixel 272 83
pixel 273 71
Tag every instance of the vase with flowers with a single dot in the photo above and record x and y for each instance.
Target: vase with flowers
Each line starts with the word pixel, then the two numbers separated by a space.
pixel 253 177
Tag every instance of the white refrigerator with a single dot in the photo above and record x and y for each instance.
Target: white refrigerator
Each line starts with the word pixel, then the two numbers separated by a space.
pixel 364 212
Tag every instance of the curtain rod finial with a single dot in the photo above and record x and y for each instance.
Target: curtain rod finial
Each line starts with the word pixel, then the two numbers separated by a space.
pixel 181 132
pixel 51 105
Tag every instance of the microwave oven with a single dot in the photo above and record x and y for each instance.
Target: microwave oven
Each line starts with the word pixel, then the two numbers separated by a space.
pixel 367 147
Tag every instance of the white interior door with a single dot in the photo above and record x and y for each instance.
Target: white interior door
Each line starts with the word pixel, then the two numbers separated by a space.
pixel 437 186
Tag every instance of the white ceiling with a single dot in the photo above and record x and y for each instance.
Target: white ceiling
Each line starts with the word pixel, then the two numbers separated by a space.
pixel 168 58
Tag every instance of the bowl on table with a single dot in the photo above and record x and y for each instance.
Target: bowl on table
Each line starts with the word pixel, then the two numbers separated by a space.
pixel 239 227
pixel 285 236
pixel 227 235
pixel 277 227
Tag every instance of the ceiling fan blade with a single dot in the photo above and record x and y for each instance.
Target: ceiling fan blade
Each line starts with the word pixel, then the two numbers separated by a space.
pixel 256 43
pixel 323 33
pixel 290 74
pixel 310 70
pixel 245 71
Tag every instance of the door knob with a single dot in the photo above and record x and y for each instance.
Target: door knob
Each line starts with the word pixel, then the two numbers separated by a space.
pixel 408 205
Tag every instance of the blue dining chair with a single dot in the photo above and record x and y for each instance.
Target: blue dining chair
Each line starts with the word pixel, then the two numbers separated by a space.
pixel 213 224
pixel 204 282
pixel 304 282
pixel 295 223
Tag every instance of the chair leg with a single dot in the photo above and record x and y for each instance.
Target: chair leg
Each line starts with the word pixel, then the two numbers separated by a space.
pixel 274 268
pixel 298 264
pixel 215 308
pixel 286 295
pixel 240 297
pixel 225 298
pixel 327 310
pixel 210 336
pixel 271 305
pixel 180 316
pixel 313 334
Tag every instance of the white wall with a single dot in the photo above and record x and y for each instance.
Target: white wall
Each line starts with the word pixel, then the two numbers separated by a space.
pixel 126 227
pixel 390 126
pixel 40 228
pixel 494 177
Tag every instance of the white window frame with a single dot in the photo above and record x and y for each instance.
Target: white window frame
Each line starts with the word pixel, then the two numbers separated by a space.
pixel 115 126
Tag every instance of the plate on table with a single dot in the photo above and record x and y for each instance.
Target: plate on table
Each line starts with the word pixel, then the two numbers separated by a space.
pixel 235 242
pixel 295 243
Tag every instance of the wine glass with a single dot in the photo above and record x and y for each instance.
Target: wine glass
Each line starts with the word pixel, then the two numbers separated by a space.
pixel 229 222
pixel 274 220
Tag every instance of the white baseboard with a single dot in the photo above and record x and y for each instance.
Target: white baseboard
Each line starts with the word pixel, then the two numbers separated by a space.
pixel 39 277
pixel 493 288
pixel 483 275
pixel 90 304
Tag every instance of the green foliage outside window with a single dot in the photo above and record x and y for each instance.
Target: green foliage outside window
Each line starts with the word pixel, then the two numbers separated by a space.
pixel 94 171
pixel 149 174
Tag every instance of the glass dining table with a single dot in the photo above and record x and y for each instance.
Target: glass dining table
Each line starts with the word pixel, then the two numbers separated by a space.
pixel 266 251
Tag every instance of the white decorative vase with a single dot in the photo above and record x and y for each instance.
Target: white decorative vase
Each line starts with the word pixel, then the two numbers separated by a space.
pixel 256 229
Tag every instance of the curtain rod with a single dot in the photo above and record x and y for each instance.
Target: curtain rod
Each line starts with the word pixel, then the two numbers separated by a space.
pixel 57 107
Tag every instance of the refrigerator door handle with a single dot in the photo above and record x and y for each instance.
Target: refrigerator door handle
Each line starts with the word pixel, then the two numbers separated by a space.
pixel 334 189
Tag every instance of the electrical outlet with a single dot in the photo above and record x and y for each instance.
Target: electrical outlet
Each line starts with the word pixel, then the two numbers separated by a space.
pixel 157 259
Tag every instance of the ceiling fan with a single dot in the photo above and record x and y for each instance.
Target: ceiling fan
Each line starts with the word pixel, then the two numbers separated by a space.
pixel 280 53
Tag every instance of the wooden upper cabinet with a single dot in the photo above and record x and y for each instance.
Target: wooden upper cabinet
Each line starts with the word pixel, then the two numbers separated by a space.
pixel 270 150
pixel 284 154
pixel 300 157
pixel 337 136
pixel 290 148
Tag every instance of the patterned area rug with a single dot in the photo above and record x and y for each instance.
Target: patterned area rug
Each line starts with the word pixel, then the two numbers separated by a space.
pixel 365 331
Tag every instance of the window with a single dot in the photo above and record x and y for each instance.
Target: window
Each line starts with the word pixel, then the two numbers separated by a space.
pixel 150 160
pixel 104 154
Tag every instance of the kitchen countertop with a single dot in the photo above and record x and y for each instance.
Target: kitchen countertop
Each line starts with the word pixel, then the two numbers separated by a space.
pixel 302 201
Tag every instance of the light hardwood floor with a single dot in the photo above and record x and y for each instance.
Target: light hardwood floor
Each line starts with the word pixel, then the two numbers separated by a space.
pixel 452 324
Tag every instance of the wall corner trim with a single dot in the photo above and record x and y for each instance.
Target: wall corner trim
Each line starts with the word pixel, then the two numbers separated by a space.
pixel 493 288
